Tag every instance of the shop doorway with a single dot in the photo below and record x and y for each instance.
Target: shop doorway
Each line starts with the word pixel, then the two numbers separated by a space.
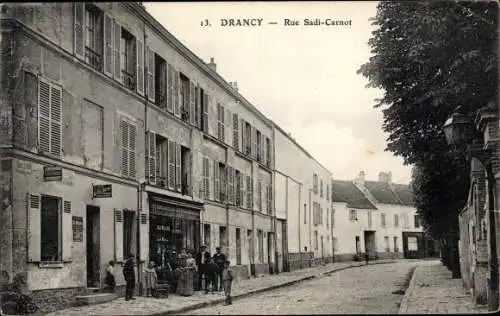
pixel 369 237
pixel 93 249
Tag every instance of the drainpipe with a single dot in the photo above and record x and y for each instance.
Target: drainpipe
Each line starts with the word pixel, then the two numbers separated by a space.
pixel 141 186
pixel 310 226
pixel 226 191
pixel 300 245
pixel 273 206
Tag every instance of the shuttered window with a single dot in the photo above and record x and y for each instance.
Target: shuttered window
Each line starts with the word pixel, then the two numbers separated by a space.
pixel 236 121
pixel 269 199
pixel 108 45
pixel 230 184
pixel 259 196
pixel 177 93
pixel 205 113
pixel 220 122
pixel 249 192
pixel 128 134
pixel 170 88
pixel 151 74
pixel 254 142
pixel 197 106
pixel 118 220
pixel 268 152
pixel 140 67
pixel 151 157
pixel 49 118
pixel 171 165
pixel 206 178
pixel 216 181
pixel 117 34
pixel 192 102
pixel 178 175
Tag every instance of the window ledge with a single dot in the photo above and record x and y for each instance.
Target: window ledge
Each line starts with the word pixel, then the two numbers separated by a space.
pixel 52 264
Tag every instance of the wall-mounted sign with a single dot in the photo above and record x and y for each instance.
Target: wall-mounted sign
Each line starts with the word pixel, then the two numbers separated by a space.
pixel 481 251
pixel 77 228
pixel 101 191
pixel 52 173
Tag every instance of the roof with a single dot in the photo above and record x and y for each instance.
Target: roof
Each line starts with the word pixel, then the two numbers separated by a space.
pixel 390 194
pixel 347 192
pixel 404 192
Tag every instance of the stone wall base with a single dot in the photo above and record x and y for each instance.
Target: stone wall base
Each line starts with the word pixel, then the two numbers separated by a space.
pixel 389 255
pixel 240 272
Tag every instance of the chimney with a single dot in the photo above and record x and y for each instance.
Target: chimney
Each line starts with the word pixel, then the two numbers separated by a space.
pixel 361 178
pixel 212 64
pixel 385 177
pixel 235 85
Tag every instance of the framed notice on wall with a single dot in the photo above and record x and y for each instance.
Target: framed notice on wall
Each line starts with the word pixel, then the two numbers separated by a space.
pixel 77 228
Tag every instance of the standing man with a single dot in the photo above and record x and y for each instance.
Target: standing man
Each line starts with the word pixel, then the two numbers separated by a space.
pixel 219 259
pixel 129 275
pixel 202 259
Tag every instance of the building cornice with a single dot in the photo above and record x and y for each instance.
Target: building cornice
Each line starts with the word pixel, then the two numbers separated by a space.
pixel 141 11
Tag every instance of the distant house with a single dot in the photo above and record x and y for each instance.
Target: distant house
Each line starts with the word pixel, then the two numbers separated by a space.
pixel 379 217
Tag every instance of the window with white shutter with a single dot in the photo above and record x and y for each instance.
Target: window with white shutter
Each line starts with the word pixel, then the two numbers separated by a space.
pixel 151 74
pixel 118 220
pixel 259 195
pixel 34 227
pixel 170 88
pixel 220 122
pixel 268 152
pixel 140 67
pixel 258 151
pixel 192 103
pixel 206 178
pixel 108 45
pixel 171 165
pixel 67 231
pixel 49 118
pixel 178 174
pixel 177 93
pixel 216 181
pixel 205 113
pixel 128 134
pixel 254 142
pixel 236 123
pixel 151 157
pixel 117 30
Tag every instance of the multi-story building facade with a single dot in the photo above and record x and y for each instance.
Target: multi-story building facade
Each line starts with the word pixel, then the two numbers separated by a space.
pixel 378 217
pixel 303 206
pixel 117 139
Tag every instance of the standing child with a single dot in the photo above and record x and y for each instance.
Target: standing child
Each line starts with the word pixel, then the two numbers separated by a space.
pixel 227 279
pixel 110 276
pixel 210 275
pixel 150 279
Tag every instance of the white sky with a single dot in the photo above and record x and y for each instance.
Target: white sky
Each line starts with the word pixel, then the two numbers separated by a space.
pixel 302 77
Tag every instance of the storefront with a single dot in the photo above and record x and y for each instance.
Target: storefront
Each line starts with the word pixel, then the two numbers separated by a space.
pixel 174 225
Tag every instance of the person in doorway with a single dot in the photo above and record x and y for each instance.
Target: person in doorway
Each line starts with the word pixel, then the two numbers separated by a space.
pixel 202 259
pixel 210 275
pixel 129 275
pixel 367 256
pixel 110 276
pixel 219 259
pixel 150 279
pixel 227 278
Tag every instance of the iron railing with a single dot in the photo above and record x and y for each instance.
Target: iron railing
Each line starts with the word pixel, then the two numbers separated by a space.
pixel 93 59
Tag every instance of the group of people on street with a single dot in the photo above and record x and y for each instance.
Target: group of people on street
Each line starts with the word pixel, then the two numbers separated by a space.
pixel 213 274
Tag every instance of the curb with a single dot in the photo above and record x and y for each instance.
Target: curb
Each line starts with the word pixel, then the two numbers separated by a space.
pixel 403 308
pixel 265 289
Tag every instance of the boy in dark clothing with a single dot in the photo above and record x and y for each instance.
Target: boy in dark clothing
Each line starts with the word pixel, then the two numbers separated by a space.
pixel 210 275
pixel 129 275
pixel 202 259
pixel 367 257
pixel 219 259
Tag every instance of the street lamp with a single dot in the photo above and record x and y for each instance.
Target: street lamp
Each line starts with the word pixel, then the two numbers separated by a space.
pixel 456 130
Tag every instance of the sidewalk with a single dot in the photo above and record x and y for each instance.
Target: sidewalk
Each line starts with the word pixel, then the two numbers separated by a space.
pixel 433 291
pixel 176 304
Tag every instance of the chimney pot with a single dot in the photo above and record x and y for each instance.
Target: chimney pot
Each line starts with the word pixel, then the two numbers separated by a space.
pixel 212 64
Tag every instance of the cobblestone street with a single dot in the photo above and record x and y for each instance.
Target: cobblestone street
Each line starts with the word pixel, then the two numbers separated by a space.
pixel 363 290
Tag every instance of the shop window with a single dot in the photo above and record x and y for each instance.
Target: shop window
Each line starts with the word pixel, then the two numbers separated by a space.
pixel 50 229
